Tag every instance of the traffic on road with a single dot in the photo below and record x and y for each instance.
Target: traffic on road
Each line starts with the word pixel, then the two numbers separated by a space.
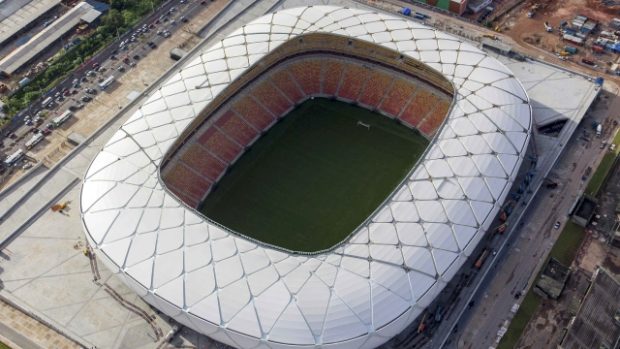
pixel 92 78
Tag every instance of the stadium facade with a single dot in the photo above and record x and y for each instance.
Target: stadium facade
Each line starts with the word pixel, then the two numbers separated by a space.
pixel 377 281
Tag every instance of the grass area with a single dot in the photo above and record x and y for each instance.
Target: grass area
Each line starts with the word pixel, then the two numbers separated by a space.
pixel 597 179
pixel 617 142
pixel 4 346
pixel 522 317
pixel 564 250
pixel 315 176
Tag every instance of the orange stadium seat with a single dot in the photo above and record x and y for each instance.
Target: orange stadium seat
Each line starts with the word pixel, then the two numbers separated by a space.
pixel 253 113
pixel 307 72
pixel 269 96
pixel 186 183
pixel 397 97
pixel 237 128
pixel 433 120
pixel 352 81
pixel 219 145
pixel 332 75
pixel 200 159
pixel 283 80
pixel 375 88
pixel 421 104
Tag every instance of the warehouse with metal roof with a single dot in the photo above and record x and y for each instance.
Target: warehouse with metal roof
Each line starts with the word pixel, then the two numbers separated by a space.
pixel 361 292
pixel 82 12
pixel 15 15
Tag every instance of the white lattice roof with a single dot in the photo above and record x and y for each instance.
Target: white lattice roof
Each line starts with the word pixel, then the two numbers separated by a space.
pixel 362 292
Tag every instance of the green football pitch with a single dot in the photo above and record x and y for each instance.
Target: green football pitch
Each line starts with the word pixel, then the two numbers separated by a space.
pixel 314 176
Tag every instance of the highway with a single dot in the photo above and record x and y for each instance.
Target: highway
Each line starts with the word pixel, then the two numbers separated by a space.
pixel 109 59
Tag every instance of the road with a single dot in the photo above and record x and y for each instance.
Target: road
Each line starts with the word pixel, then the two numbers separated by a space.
pixel 104 58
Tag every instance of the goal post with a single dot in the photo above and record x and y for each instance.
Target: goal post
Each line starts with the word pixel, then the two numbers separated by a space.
pixel 360 123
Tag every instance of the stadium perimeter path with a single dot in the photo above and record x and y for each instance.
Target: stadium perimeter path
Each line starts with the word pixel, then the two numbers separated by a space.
pixel 45 271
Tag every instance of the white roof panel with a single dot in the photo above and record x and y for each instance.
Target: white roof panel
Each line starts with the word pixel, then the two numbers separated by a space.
pixel 185 264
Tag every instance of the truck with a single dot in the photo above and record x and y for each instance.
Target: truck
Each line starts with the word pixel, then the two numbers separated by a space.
pixel 532 11
pixel 482 258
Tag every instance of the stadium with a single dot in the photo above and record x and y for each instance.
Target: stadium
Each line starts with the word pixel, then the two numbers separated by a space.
pixel 412 137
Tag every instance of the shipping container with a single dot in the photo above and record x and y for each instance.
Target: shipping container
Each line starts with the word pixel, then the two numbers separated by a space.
pixel 572 38
pixel 570 49
pixel 598 48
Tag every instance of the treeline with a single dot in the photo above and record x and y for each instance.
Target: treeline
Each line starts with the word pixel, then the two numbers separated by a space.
pixel 123 14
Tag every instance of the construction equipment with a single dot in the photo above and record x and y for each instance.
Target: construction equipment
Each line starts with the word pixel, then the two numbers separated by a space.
pixel 482 258
pixel 422 325
pixel 532 11
pixel 59 207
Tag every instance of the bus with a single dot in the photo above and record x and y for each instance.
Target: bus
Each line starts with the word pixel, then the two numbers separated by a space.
pixel 14 158
pixel 107 82
pixel 47 102
pixel 59 120
pixel 34 141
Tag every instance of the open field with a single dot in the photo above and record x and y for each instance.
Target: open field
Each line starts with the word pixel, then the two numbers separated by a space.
pixel 315 176
pixel 564 250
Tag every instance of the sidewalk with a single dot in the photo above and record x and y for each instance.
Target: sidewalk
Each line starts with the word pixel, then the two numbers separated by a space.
pixel 26 332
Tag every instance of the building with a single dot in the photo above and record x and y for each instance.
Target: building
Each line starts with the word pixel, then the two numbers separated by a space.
pixel 82 12
pixel 553 279
pixel 597 323
pixel 364 290
pixel 476 6
pixel 454 6
pixel 17 15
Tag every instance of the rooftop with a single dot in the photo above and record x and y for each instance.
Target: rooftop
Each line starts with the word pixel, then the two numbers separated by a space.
pixel 595 325
pixel 17 14
pixel 20 56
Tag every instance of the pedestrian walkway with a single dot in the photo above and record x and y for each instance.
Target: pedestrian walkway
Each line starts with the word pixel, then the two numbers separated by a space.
pixel 26 332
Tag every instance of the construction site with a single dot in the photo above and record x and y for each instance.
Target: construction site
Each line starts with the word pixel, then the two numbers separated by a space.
pixel 584 32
